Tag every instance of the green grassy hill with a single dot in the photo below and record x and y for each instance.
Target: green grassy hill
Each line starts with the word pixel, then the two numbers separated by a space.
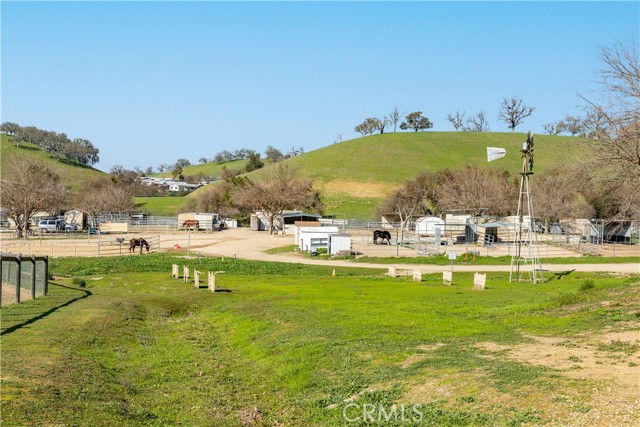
pixel 72 173
pixel 212 169
pixel 355 175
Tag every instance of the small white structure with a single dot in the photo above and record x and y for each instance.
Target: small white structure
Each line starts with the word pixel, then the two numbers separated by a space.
pixel 183 186
pixel 339 243
pixel 308 238
pixel 427 225
pixel 230 222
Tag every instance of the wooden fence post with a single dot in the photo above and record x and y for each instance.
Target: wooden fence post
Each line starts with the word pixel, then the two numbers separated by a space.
pixel 417 276
pixel 196 279
pixel 33 277
pixel 447 277
pixel 1 276
pixel 479 281
pixel 46 275
pixel 212 281
pixel 185 274
pixel 18 277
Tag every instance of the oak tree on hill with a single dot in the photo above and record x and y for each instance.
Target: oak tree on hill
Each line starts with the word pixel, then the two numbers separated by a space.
pixel 253 162
pixel 9 128
pixel 369 126
pixel 273 154
pixel 513 111
pixel 416 121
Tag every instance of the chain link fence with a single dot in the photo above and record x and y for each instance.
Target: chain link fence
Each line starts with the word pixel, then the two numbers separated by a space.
pixel 22 277
pixel 554 240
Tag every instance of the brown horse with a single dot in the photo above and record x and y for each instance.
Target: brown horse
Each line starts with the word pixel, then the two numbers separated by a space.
pixel 138 243
pixel 191 224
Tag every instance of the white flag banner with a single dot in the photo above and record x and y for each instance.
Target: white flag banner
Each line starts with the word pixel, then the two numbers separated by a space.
pixel 494 153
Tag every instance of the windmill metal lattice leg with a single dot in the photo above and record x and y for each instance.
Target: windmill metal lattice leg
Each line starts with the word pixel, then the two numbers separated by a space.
pixel 525 258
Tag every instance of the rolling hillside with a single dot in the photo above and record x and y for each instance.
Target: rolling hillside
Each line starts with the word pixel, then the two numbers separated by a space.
pixel 73 174
pixel 355 175
pixel 212 169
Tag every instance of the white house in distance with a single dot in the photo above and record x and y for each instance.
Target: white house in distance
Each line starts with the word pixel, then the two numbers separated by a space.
pixel 427 225
pixel 183 186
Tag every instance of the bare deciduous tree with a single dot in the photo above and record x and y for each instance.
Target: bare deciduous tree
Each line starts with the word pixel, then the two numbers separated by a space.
pixel 405 202
pixel 279 188
pixel 456 119
pixel 477 123
pixel 217 199
pixel 551 128
pixel 103 196
pixel 513 111
pixel 394 117
pixel 476 191
pixel 30 186
pixel 556 195
pixel 614 146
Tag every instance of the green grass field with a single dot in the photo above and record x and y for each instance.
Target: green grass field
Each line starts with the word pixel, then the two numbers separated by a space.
pixel 290 345
pixel 160 206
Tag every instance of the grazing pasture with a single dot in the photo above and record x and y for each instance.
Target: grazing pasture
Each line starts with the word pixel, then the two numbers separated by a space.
pixel 291 345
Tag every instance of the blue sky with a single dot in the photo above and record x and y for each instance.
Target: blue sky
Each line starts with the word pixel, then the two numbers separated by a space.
pixel 151 82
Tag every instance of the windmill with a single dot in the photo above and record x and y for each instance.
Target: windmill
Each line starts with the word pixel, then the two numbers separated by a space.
pixel 525 256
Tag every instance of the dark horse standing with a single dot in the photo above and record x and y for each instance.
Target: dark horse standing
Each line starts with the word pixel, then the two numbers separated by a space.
pixel 382 235
pixel 138 243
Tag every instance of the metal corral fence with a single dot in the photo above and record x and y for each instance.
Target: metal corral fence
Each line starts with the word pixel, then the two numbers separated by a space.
pixel 22 277
pixel 102 245
pixel 557 240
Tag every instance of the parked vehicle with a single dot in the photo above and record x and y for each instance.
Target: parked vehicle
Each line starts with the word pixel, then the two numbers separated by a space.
pixel 50 225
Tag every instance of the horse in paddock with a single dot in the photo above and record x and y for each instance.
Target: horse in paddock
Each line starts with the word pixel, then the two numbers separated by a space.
pixel 191 224
pixel 382 235
pixel 137 243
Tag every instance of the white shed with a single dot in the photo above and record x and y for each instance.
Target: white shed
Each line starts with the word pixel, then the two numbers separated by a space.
pixel 339 243
pixel 314 237
pixel 428 225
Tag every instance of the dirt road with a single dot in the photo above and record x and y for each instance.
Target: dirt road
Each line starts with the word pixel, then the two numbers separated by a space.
pixel 242 243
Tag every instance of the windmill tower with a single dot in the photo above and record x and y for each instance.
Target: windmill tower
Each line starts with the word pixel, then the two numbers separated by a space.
pixel 525 254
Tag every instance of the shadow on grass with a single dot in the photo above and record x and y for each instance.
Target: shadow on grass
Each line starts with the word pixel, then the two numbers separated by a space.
pixel 217 289
pixel 561 274
pixel 48 312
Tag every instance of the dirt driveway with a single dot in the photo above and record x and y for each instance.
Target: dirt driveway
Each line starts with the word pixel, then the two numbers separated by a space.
pixel 243 243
